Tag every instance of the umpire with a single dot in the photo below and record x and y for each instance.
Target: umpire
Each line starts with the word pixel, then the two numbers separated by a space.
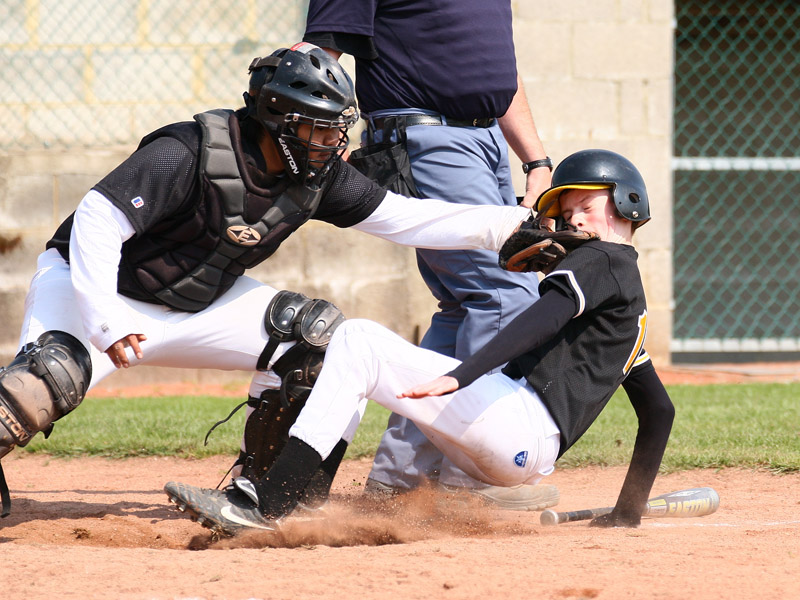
pixel 440 77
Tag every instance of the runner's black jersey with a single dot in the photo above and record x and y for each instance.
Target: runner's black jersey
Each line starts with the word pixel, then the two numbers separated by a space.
pixel 578 370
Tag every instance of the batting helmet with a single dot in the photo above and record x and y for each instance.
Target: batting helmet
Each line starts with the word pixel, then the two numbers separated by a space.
pixel 302 85
pixel 599 169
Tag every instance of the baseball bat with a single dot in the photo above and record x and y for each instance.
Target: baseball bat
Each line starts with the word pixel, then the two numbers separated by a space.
pixel 694 502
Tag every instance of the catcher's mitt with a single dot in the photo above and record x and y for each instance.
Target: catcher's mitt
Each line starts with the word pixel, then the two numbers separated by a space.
pixel 534 247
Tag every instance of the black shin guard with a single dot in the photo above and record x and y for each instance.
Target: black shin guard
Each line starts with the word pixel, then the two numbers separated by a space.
pixel 267 431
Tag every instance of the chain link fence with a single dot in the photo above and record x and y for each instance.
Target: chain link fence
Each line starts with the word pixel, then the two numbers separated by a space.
pixel 93 73
pixel 84 73
pixel 736 180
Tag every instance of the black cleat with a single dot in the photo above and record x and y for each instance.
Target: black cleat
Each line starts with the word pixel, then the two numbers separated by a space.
pixel 225 512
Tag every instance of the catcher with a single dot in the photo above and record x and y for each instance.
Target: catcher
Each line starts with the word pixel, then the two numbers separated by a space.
pixel 150 268
pixel 567 354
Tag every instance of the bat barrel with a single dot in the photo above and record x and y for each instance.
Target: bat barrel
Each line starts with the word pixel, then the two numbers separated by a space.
pixel 695 502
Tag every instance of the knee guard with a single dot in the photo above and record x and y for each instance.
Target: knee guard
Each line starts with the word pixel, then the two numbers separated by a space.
pixel 293 316
pixel 300 366
pixel 290 316
pixel 46 380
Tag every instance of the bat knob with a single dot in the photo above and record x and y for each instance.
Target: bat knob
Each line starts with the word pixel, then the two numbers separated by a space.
pixel 548 517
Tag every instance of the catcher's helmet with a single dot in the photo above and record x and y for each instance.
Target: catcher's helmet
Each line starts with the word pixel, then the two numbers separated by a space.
pixel 301 85
pixel 599 169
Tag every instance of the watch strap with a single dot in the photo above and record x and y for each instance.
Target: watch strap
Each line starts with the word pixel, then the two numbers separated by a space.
pixel 536 164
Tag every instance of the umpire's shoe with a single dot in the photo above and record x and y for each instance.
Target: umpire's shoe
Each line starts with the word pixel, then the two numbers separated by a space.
pixel 225 512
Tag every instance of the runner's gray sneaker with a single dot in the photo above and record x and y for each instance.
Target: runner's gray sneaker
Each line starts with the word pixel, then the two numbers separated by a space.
pixel 225 512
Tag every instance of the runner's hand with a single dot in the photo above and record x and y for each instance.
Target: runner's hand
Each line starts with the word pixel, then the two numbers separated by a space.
pixel 438 387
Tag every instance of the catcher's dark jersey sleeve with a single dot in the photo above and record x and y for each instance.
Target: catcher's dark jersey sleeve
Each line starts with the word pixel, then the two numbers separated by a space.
pixel 532 327
pixel 349 196
pixel 154 182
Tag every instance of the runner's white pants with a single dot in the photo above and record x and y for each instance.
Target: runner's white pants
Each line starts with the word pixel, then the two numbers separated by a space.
pixel 496 430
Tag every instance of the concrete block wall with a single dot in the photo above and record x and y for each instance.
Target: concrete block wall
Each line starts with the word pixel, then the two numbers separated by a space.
pixel 597 73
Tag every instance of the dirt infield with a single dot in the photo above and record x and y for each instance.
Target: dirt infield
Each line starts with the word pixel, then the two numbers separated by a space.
pixel 97 528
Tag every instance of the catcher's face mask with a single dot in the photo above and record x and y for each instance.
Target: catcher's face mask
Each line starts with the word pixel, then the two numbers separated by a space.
pixel 311 145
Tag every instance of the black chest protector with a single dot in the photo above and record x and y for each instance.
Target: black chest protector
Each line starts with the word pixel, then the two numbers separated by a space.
pixel 190 261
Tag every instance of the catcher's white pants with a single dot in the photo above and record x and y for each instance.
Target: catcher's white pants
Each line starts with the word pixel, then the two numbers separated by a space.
pixel 228 335
pixel 496 430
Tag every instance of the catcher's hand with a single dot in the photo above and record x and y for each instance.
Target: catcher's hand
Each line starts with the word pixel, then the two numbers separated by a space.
pixel 534 247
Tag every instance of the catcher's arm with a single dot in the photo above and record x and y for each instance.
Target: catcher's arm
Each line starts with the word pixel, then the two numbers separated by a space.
pixel 535 247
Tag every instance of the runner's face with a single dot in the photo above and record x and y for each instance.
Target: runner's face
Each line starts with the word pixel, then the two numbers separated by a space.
pixel 590 210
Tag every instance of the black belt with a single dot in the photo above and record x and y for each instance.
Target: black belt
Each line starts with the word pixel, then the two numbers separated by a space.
pixel 410 120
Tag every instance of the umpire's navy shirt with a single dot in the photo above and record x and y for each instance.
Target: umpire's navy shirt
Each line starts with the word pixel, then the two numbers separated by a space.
pixel 455 57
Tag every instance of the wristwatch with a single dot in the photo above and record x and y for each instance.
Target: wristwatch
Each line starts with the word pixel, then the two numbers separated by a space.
pixel 535 164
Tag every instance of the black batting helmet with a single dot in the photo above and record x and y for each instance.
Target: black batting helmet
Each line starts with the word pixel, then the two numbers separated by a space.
pixel 301 85
pixel 599 169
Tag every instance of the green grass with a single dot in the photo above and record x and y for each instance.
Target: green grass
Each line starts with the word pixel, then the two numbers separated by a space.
pixel 750 426
pixel 169 426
